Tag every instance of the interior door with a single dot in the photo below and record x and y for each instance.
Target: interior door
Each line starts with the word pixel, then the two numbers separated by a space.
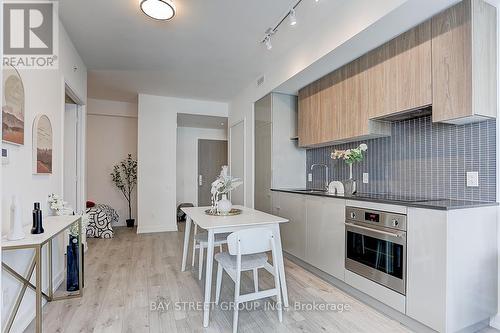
pixel 70 167
pixel 212 155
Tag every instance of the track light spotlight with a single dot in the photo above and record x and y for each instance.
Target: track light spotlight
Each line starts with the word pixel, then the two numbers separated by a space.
pixel 267 41
pixel 292 17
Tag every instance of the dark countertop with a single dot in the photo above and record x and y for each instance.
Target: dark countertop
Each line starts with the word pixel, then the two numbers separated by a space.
pixel 438 204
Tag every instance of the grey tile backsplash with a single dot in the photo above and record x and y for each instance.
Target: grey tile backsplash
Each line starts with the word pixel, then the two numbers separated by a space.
pixel 420 159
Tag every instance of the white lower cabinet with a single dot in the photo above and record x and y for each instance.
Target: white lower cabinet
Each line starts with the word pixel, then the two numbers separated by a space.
pixel 315 232
pixel 452 267
pixel 426 269
pixel 293 234
pixel 325 234
pixel 451 257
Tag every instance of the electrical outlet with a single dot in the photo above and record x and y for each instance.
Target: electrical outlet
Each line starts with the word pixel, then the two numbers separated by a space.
pixel 473 179
pixel 309 177
pixel 5 156
pixel 365 177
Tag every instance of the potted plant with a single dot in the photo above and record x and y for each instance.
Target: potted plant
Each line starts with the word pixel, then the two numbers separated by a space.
pixel 124 176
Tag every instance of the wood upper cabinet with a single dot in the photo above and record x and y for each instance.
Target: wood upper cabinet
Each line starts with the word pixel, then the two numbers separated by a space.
pixel 448 62
pixel 330 94
pixel 309 120
pixel 464 62
pixel 399 73
pixel 393 78
pixel 335 108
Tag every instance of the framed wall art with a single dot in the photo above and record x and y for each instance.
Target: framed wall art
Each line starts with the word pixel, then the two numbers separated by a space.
pixel 12 106
pixel 42 145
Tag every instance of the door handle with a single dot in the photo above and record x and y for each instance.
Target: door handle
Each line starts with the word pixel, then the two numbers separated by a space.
pixel 200 180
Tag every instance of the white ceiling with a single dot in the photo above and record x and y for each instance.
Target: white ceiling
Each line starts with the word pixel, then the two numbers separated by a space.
pixel 210 50
pixel 201 121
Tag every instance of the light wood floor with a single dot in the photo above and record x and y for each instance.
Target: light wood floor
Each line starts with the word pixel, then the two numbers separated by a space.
pixel 125 275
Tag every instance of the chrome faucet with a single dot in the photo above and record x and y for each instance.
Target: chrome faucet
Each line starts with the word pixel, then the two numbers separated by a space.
pixel 327 182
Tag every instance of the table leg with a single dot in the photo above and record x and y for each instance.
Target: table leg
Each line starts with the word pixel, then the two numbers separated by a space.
pixel 20 296
pixel 281 264
pixel 49 260
pixel 38 316
pixel 186 243
pixel 208 278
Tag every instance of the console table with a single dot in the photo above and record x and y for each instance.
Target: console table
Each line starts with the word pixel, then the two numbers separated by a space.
pixel 54 226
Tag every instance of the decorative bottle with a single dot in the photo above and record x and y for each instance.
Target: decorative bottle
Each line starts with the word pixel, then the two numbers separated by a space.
pixel 37 220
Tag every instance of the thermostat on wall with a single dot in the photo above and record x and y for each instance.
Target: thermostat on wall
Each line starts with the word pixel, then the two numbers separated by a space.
pixel 5 156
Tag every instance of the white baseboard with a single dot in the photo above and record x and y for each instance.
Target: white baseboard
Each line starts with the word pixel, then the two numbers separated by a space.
pixel 495 321
pixel 23 320
pixel 153 229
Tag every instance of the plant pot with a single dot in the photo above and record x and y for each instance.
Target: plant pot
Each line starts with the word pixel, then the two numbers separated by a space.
pixel 224 206
pixel 72 283
pixel 130 223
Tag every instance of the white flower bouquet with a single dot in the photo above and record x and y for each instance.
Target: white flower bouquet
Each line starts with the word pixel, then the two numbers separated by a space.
pixel 223 185
pixel 350 156
pixel 61 207
pixel 57 204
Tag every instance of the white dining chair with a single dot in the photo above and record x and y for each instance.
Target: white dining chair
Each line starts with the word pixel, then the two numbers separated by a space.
pixel 247 252
pixel 200 242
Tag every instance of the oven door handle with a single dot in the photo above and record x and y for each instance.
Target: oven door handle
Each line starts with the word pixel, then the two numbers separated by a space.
pixel 375 230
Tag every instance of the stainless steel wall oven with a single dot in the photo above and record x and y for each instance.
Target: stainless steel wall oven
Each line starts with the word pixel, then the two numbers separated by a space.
pixel 376 246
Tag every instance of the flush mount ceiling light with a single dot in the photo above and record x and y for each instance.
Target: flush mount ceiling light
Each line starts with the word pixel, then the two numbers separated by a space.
pixel 162 10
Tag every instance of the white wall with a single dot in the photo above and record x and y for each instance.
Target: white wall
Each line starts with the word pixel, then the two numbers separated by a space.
pixel 187 160
pixel 44 93
pixel 156 155
pixel 111 135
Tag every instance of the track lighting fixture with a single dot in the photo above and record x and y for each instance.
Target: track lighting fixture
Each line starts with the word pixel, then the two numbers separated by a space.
pixel 292 17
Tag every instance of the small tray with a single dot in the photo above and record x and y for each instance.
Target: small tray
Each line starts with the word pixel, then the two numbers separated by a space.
pixel 232 212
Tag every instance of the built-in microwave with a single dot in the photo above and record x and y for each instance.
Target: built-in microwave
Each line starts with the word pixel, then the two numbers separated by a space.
pixel 376 246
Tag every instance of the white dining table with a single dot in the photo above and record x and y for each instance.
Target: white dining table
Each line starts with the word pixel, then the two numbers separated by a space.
pixel 249 218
